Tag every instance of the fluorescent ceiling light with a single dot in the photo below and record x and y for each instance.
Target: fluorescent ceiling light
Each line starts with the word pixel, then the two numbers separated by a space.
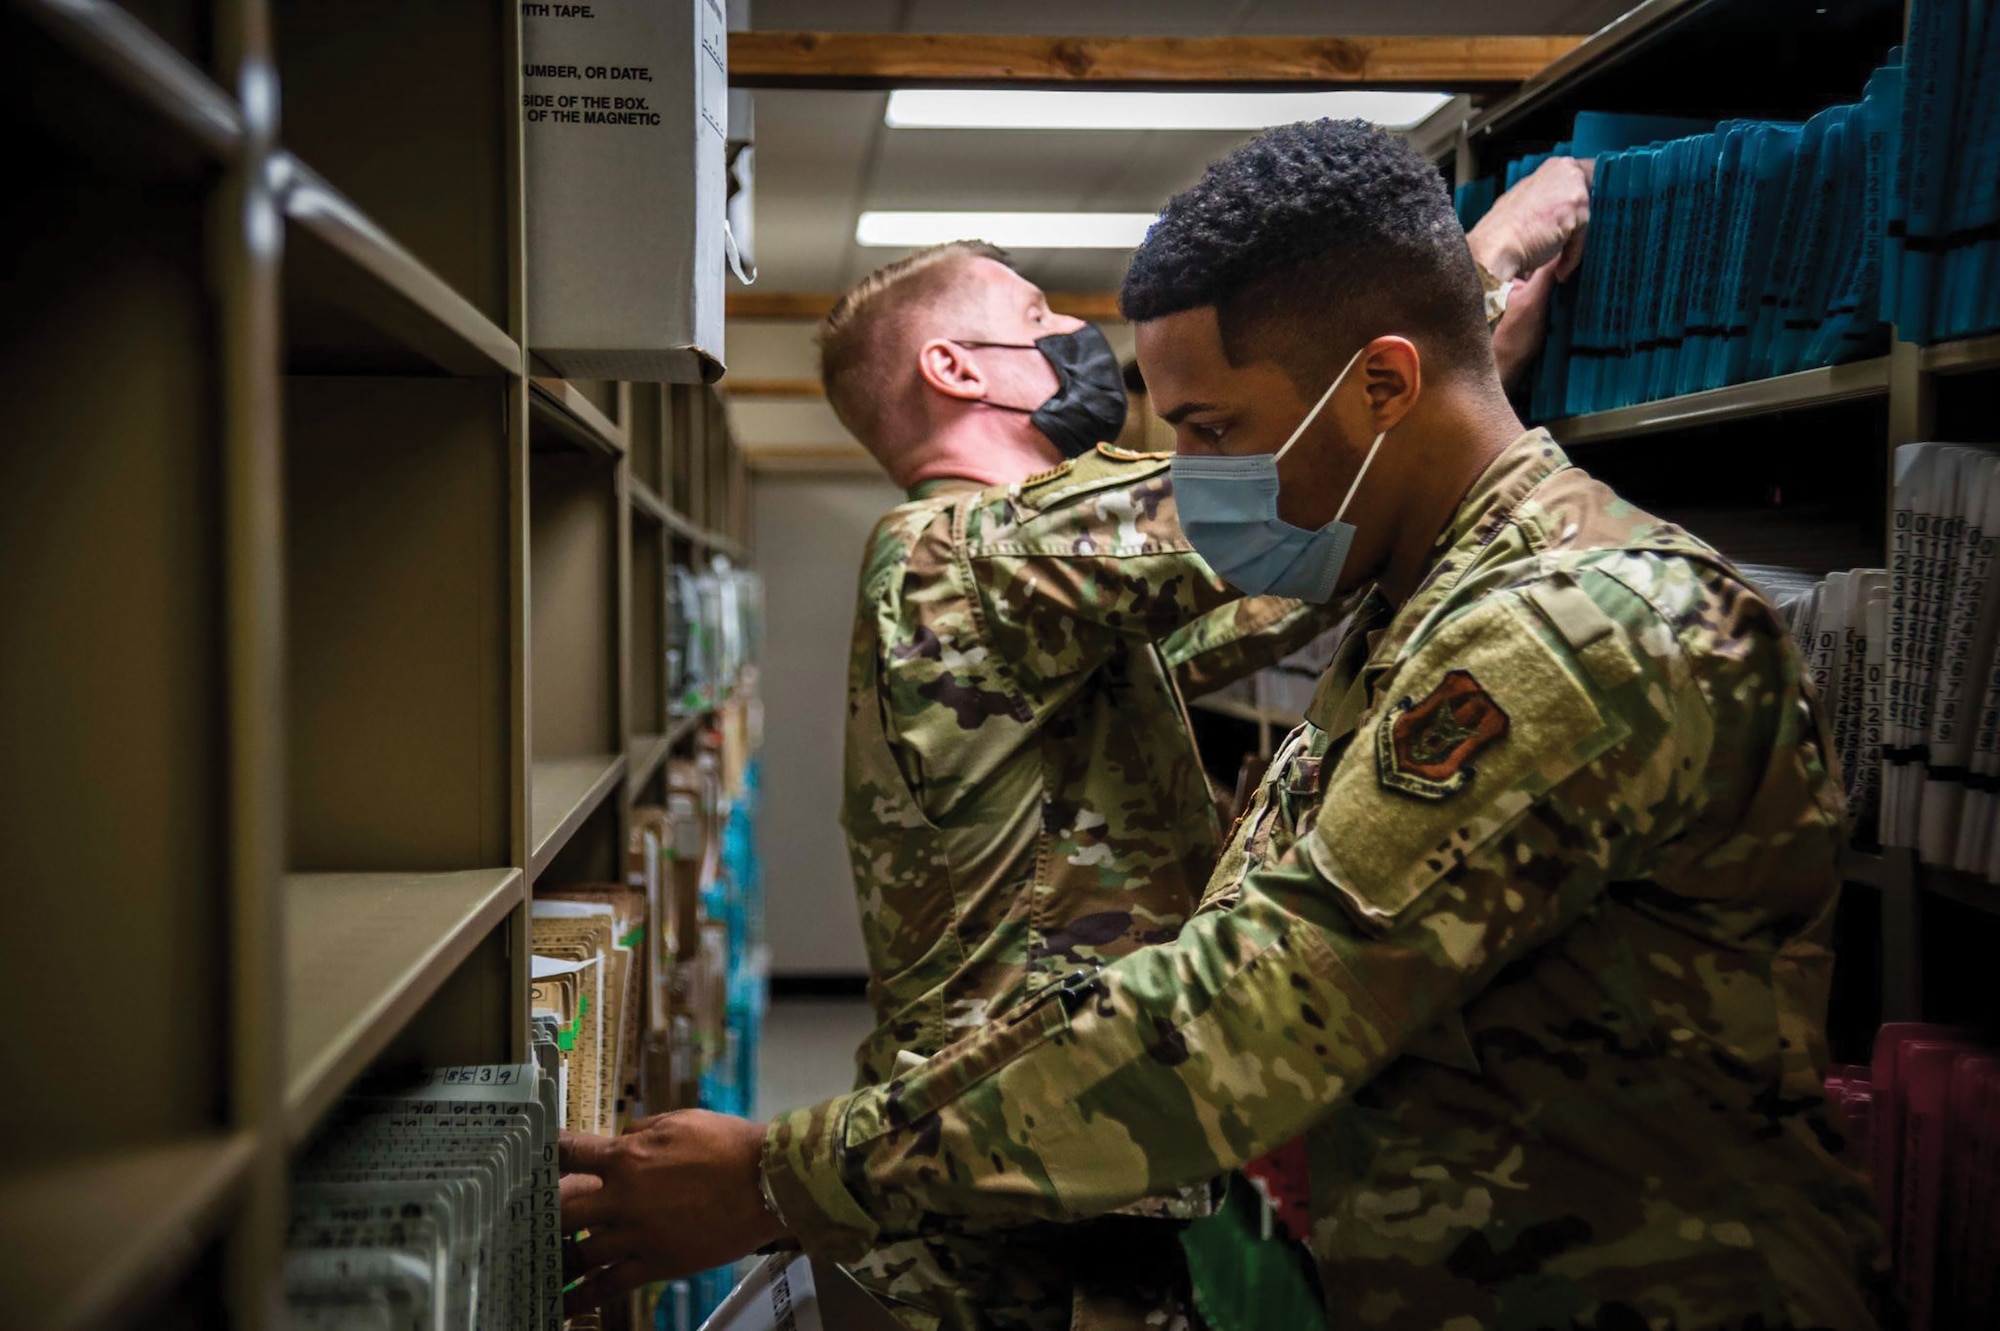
pixel 1018 108
pixel 1014 231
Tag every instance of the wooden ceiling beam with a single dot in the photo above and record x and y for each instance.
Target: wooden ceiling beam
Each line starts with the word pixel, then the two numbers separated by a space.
pixel 907 60
pixel 1101 306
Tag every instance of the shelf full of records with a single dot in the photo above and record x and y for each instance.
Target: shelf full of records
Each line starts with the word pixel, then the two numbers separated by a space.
pixel 653 987
pixel 1907 663
pixel 1734 251
pixel 651 992
pixel 1941 260
pixel 1719 253
pixel 432 1202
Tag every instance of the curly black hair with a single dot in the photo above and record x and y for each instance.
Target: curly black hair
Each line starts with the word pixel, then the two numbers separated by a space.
pixel 1309 240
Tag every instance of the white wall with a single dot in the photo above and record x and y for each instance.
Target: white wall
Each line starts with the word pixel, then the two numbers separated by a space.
pixel 809 536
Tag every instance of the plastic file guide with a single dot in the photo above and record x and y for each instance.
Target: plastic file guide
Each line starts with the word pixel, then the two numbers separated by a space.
pixel 432 1206
pixel 1941 751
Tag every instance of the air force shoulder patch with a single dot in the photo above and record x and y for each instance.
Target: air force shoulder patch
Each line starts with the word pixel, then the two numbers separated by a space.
pixel 1425 748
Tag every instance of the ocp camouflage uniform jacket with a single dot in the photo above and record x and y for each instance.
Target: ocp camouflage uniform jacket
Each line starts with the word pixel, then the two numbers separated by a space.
pixel 1022 791
pixel 1527 926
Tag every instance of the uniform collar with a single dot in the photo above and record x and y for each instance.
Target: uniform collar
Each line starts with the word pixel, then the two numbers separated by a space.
pixel 942 485
pixel 1464 545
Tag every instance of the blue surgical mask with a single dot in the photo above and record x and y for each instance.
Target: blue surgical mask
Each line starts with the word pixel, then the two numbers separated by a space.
pixel 1229 510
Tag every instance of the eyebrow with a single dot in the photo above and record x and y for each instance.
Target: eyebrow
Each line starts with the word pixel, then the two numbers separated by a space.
pixel 1185 410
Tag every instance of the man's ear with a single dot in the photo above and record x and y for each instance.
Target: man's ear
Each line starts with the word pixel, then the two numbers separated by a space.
pixel 946 366
pixel 1393 379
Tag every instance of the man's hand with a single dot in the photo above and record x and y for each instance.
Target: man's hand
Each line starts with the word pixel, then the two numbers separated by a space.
pixel 1517 338
pixel 678 1193
pixel 1541 219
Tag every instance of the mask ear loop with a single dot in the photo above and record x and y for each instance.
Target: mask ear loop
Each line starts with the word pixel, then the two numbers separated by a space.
pixel 1313 415
pixel 1365 463
pixel 1061 383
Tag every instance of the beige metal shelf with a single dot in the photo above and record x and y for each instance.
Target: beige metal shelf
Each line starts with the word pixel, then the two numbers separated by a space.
pixel 122 48
pixel 648 752
pixel 684 726
pixel 1880 868
pixel 1964 888
pixel 645 500
pixel 562 794
pixel 722 545
pixel 359 283
pixel 1866 867
pixel 1966 356
pixel 373 278
pixel 558 404
pixel 362 953
pixel 1760 397
pixel 85 1240
pixel 652 750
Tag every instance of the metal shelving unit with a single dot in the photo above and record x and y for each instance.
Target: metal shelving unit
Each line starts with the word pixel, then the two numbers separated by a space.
pixel 363 954
pixel 563 407
pixel 1639 64
pixel 346 260
pixel 567 792
pixel 1970 355
pixel 334 625
pixel 1759 397
pixel 645 501
pixel 95 1234
pixel 648 753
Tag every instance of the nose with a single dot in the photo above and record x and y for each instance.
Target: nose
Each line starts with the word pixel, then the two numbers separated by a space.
pixel 1063 323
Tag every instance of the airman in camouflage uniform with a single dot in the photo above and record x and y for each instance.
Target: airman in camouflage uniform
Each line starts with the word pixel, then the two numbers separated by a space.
pixel 1545 994
pixel 1023 796
pixel 1527 927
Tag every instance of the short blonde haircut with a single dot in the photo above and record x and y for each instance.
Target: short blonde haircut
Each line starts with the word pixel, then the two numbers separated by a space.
pixel 865 344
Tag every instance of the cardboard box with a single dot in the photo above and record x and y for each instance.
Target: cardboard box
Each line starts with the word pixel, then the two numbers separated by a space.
pixel 625 104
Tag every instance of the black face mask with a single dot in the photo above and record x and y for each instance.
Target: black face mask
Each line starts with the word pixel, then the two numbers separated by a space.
pixel 1088 406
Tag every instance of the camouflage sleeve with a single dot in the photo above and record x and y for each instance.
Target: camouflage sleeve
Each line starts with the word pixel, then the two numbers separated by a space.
pixel 1242 638
pixel 1532 749
pixel 1105 557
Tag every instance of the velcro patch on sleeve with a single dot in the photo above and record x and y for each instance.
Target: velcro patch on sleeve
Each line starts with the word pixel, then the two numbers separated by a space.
pixel 1485 718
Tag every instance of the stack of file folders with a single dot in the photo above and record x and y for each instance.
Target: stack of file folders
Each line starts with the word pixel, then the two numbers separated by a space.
pixel 1925 1119
pixel 1941 278
pixel 431 1207
pixel 1717 253
pixel 1906 661
pixel 1941 739
pixel 1838 622
pixel 587 979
